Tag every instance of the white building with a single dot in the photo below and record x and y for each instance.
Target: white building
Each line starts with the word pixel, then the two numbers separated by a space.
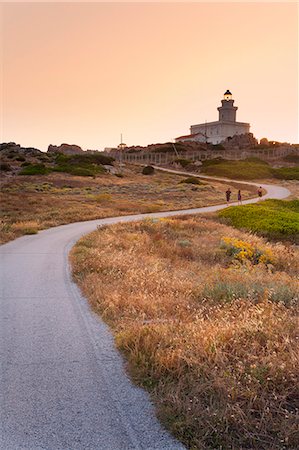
pixel 216 132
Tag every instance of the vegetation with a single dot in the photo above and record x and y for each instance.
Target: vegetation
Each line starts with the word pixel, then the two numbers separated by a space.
pixel 248 169
pixel 207 317
pixel 5 167
pixel 287 173
pixel 241 170
pixel 82 165
pixel 191 180
pixel 58 198
pixel 148 170
pixel 35 169
pixel 183 162
pixel 275 219
pixel 79 159
pixel 292 158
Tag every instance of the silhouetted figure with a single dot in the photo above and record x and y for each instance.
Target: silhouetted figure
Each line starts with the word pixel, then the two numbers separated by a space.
pixel 260 192
pixel 228 194
pixel 239 197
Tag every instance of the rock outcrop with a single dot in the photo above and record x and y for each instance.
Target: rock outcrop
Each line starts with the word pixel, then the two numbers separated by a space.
pixel 240 141
pixel 66 149
pixel 12 147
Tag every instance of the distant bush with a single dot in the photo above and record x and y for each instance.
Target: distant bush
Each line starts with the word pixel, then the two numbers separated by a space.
pixel 29 227
pixel 291 158
pixel 218 147
pixel 81 165
pixel 44 158
pixel 247 169
pixel 241 170
pixel 148 170
pixel 35 169
pixel 191 180
pixel 20 158
pixel 287 173
pixel 5 167
pixel 254 159
pixel 183 162
pixel 276 219
pixel 25 164
pixel 81 159
pixel 213 161
pixel 103 198
pixel 119 175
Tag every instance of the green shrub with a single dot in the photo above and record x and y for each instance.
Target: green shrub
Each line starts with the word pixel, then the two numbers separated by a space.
pixel 218 147
pixel 25 164
pixel 20 158
pixel 276 219
pixel 35 169
pixel 83 159
pixel 5 167
pixel 213 161
pixel 30 231
pixel 227 291
pixel 191 180
pixel 291 158
pixel 247 169
pixel 82 172
pixel 241 170
pixel 254 159
pixel 287 173
pixel 81 165
pixel 183 162
pixel 148 170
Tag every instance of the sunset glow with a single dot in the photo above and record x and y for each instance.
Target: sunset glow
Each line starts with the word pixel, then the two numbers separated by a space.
pixel 84 73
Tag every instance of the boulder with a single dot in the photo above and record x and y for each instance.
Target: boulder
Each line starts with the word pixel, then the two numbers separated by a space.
pixel 66 149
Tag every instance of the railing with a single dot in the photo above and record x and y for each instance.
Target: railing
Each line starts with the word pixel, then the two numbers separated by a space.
pixel 166 158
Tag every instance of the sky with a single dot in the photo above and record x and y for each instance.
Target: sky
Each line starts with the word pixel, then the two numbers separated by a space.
pixel 83 73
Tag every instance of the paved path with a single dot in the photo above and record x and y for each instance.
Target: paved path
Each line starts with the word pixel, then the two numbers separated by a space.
pixel 62 383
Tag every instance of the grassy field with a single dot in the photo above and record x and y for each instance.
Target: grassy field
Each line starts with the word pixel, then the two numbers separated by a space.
pixel 31 203
pixel 250 169
pixel 275 219
pixel 207 317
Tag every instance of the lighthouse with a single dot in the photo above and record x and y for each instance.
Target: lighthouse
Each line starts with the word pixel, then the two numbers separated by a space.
pixel 226 126
pixel 227 112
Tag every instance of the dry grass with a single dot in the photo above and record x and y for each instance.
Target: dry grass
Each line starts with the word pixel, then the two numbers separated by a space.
pixel 57 199
pixel 212 334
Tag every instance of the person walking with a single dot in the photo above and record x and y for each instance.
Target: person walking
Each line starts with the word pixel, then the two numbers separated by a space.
pixel 239 197
pixel 228 194
pixel 260 192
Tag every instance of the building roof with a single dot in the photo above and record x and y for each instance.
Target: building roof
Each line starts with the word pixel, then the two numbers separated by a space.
pixel 228 92
pixel 190 135
pixel 217 122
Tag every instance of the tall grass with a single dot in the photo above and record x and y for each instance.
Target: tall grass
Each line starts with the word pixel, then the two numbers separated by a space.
pixel 212 336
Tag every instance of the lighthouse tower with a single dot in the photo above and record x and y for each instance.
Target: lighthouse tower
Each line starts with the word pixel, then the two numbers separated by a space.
pixel 227 112
pixel 218 131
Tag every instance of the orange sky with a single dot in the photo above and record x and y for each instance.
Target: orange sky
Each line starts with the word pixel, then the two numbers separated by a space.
pixel 85 72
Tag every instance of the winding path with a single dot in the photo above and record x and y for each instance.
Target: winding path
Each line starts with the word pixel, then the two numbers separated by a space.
pixel 63 385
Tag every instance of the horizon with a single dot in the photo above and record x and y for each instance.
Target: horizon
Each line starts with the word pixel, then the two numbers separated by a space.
pixel 85 73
